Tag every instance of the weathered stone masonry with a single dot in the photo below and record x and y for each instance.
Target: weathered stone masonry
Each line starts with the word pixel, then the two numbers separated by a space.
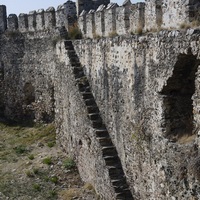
pixel 146 93
pixel 148 16
pixel 137 82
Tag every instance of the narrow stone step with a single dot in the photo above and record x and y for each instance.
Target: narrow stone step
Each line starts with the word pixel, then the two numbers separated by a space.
pixel 79 75
pixel 94 116
pixel 118 182
pixel 97 124
pixel 75 64
pixel 74 59
pixel 120 189
pixel 105 141
pixel 124 195
pixel 84 89
pixel 87 95
pixel 69 48
pixel 71 53
pixel 90 102
pixel 101 133
pixel 109 151
pixel 115 173
pixel 83 80
pixel 68 44
pixel 92 109
pixel 121 196
pixel 83 86
pixel 77 70
pixel 112 160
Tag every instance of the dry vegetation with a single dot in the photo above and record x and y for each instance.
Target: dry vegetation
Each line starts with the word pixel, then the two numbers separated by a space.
pixel 33 167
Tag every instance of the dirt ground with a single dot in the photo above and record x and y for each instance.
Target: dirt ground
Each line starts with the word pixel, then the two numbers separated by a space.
pixel 32 167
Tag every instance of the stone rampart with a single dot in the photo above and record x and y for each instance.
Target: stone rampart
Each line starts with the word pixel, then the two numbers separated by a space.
pixel 152 15
pixel 144 88
pixel 39 20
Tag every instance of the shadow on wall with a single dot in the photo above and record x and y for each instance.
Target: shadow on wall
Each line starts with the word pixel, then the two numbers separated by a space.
pixel 177 98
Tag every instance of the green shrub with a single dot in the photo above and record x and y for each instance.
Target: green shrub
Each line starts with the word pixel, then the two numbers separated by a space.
pixel 54 179
pixel 36 171
pixel 51 144
pixel 37 187
pixel 47 161
pixel 31 157
pixel 29 174
pixel 20 149
pixel 69 163
pixel 52 193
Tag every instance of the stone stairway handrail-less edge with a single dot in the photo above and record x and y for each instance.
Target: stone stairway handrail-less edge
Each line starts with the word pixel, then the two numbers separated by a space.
pixel 109 152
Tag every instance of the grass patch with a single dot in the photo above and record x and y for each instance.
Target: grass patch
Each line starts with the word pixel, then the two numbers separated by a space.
pixel 139 30
pixel 21 149
pixel 51 144
pixel 36 170
pixel 30 174
pixel 74 32
pixel 69 163
pixel 113 34
pixel 37 187
pixel 47 161
pixel 184 25
pixel 54 179
pixel 31 157
pixel 70 193
pixel 52 194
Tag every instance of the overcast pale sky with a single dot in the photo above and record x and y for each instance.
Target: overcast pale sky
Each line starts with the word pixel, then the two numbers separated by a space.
pixel 24 6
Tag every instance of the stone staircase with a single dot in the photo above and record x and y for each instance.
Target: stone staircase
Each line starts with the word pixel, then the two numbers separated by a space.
pixel 109 152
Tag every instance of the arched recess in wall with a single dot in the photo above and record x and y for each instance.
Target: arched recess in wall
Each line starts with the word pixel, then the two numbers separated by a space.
pixel 29 93
pixel 177 98
pixel 29 98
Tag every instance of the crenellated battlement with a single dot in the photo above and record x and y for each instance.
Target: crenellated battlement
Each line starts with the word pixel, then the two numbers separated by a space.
pixel 151 15
pixel 102 19
pixel 39 20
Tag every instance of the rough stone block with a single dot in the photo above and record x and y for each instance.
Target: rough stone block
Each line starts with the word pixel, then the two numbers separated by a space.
pixel 60 16
pixel 23 22
pixel 3 18
pixel 82 22
pixel 137 15
pixel 32 21
pixel 110 22
pixel 90 24
pixel 100 21
pixel 40 19
pixel 12 22
pixel 50 18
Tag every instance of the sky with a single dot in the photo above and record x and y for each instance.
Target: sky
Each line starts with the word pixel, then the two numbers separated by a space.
pixel 24 6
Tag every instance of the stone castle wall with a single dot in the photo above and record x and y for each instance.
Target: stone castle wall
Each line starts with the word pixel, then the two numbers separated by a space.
pixel 152 15
pixel 88 5
pixel 128 78
pixel 146 88
pixel 49 19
